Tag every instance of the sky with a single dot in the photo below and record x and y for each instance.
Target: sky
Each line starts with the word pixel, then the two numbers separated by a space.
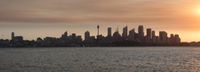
pixel 41 18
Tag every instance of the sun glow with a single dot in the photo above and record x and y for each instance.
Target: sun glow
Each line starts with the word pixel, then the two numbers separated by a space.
pixel 197 11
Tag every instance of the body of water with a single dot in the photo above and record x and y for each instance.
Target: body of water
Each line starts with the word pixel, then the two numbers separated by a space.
pixel 120 59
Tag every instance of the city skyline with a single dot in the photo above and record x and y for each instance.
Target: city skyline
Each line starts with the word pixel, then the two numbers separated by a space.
pixel 92 29
pixel 50 18
pixel 113 38
pixel 100 35
pixel 103 30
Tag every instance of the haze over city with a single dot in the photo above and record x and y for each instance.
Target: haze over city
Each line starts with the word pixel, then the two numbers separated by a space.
pixel 41 18
pixel 99 35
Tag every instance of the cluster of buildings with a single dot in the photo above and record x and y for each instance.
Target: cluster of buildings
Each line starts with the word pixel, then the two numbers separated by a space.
pixel 127 38
pixel 132 38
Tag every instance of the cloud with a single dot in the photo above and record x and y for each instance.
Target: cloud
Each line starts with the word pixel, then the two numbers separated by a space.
pixel 78 11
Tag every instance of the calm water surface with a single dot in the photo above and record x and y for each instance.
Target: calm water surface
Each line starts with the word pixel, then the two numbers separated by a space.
pixel 135 59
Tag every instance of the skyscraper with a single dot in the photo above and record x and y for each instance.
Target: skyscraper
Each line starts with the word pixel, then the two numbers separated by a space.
pixel 149 34
pixel 132 34
pixel 141 30
pixel 154 36
pixel 125 32
pixel 116 36
pixel 141 33
pixel 12 35
pixel 87 35
pixel 163 36
pixel 153 33
pixel 109 31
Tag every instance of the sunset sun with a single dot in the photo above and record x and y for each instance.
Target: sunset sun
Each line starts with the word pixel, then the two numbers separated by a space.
pixel 197 11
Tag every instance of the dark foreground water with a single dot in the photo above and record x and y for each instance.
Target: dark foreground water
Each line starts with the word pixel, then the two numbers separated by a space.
pixel 136 59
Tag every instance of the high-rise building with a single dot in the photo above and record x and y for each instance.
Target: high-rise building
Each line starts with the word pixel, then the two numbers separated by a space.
pixel 125 32
pixel 12 35
pixel 141 33
pixel 141 30
pixel 163 36
pixel 132 34
pixel 153 36
pixel 149 34
pixel 89 39
pixel 116 36
pixel 109 31
pixel 87 35
pixel 153 33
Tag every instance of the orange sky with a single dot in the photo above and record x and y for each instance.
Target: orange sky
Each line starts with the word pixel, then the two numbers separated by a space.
pixel 33 18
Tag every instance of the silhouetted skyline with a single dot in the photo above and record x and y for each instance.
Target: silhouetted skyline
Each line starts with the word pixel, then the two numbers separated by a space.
pixel 113 38
pixel 32 18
